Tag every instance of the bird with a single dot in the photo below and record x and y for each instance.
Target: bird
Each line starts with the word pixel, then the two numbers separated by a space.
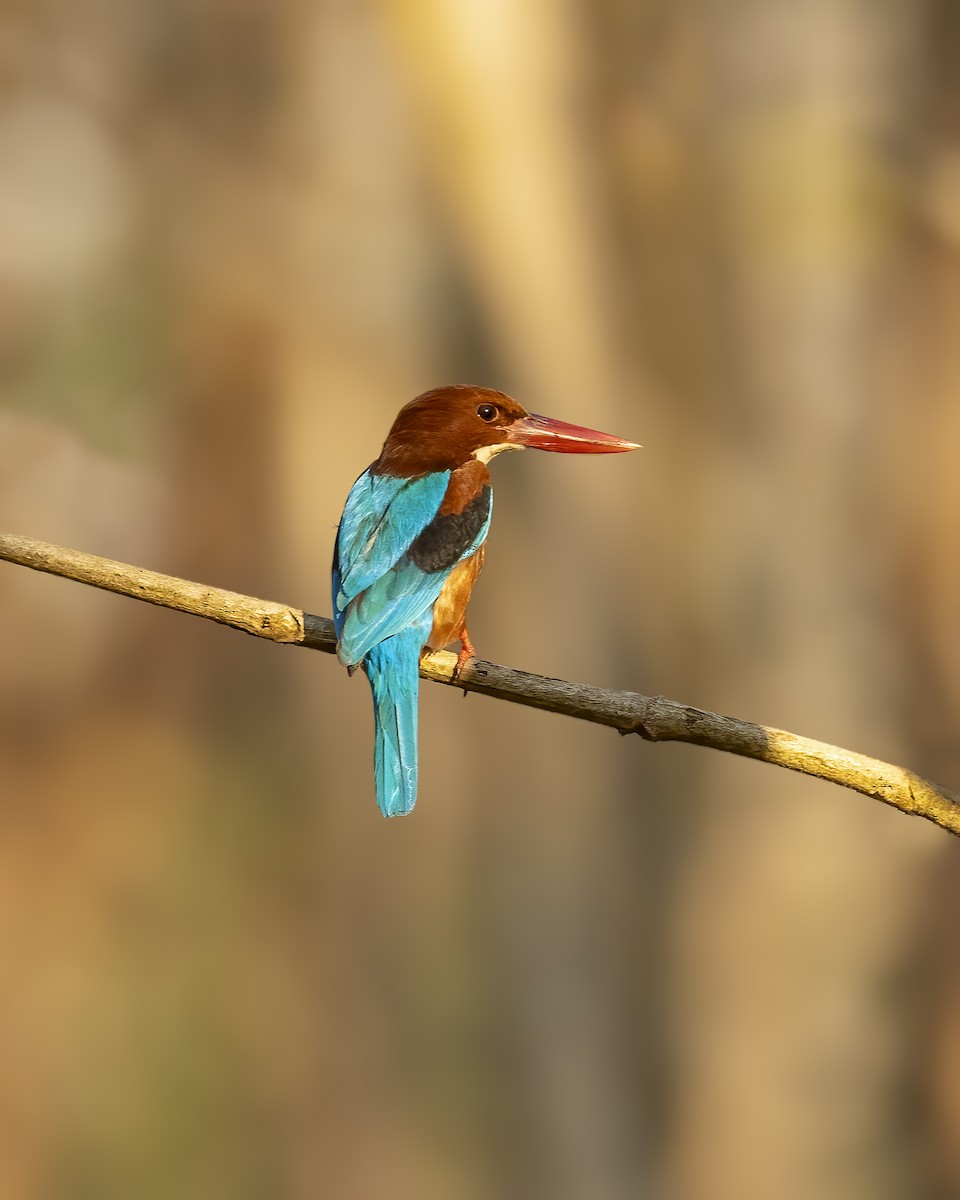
pixel 410 545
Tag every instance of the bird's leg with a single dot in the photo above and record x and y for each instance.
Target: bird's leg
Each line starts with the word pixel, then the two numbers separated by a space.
pixel 466 652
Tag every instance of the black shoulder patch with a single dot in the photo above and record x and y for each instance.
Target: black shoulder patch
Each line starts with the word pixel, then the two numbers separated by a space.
pixel 445 540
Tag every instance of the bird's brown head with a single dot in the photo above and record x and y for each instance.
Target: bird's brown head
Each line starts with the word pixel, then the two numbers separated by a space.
pixel 448 426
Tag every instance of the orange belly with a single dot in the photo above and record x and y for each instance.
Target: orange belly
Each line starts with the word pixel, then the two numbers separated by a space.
pixel 450 609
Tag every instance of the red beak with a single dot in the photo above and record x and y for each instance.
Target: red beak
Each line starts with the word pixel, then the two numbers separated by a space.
pixel 544 433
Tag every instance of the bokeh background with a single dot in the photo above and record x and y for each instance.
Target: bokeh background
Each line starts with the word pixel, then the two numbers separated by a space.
pixel 234 238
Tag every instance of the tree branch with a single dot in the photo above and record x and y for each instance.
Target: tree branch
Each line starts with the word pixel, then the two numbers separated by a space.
pixel 652 717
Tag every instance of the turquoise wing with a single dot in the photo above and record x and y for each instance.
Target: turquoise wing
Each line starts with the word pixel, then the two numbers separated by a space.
pixel 381 519
pixel 377 589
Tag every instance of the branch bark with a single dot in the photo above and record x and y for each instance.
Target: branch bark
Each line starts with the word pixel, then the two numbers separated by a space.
pixel 654 718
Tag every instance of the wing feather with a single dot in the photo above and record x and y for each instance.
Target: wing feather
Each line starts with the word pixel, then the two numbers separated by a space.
pixel 381 519
pixel 377 591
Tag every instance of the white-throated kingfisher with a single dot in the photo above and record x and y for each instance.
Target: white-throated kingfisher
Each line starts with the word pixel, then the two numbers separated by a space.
pixel 410 547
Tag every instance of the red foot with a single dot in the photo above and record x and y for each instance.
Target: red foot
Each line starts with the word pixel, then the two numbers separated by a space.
pixel 467 652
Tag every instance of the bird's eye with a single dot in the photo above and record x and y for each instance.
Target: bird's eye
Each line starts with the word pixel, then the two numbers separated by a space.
pixel 487 412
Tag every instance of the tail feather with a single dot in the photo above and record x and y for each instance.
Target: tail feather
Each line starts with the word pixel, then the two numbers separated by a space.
pixel 393 670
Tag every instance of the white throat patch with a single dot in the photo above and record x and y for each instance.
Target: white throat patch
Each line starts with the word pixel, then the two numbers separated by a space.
pixel 485 453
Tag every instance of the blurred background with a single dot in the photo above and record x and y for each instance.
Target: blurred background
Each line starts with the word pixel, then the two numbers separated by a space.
pixel 234 238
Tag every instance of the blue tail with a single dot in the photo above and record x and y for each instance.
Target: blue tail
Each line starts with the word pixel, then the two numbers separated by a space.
pixel 393 668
